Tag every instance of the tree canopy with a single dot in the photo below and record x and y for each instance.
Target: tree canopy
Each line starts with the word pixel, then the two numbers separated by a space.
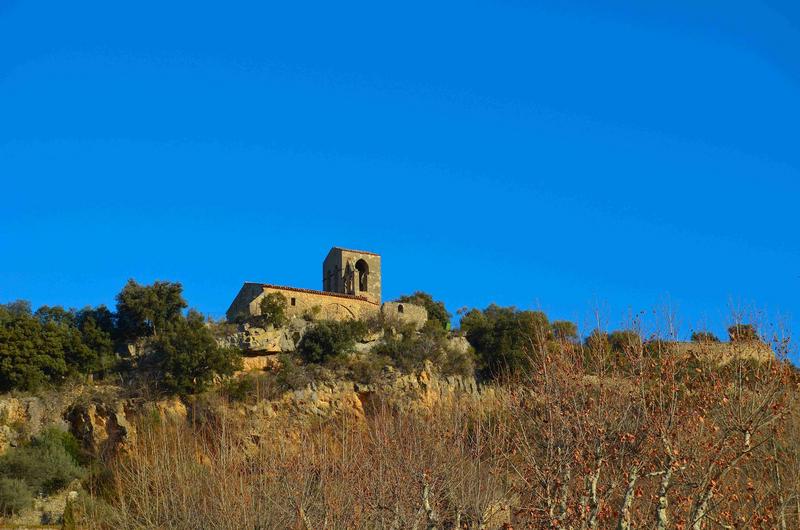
pixel 188 357
pixel 503 337
pixel 46 346
pixel 328 339
pixel 52 343
pixel 273 309
pixel 145 310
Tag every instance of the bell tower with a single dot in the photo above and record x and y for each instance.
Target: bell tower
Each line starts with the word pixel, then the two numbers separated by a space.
pixel 353 272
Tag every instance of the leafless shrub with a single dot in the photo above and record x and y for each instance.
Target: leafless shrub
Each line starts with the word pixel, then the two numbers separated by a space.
pixel 647 438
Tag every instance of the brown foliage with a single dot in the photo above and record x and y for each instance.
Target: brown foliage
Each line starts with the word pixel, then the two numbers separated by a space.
pixel 577 442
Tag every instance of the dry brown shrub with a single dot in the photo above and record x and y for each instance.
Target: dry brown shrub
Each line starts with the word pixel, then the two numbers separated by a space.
pixel 657 440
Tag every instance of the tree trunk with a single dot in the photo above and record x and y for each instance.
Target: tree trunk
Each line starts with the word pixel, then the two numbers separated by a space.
pixel 594 502
pixel 662 515
pixel 627 501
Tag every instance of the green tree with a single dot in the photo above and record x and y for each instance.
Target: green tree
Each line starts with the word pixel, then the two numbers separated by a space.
pixel 55 315
pixel 97 329
pixel 15 496
pixel 565 330
pixel 45 346
pixel 18 307
pixel 328 339
pixel 145 310
pixel 437 312
pixel 704 336
pixel 31 354
pixel 503 337
pixel 46 465
pixel 408 350
pixel 624 341
pixel 87 347
pixel 188 356
pixel 742 333
pixel 273 309
pixel 597 341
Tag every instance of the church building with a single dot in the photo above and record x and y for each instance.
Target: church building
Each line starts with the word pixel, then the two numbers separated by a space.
pixel 351 289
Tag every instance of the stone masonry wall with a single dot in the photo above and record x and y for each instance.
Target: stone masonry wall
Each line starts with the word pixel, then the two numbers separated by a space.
pixel 241 304
pixel 404 312
pixel 324 306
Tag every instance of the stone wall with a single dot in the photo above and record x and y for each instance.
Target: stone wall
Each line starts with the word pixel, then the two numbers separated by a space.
pixel 241 304
pixel 405 313
pixel 321 305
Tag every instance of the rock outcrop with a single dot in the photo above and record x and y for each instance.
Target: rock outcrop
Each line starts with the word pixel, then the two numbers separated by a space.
pixel 423 393
pixel 102 428
pixel 259 340
pixel 24 417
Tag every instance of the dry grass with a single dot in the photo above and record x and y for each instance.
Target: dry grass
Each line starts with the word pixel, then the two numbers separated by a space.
pixel 662 442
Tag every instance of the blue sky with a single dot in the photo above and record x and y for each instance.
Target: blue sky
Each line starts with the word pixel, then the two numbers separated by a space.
pixel 555 155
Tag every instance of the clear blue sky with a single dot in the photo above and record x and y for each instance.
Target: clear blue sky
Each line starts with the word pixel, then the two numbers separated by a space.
pixel 546 154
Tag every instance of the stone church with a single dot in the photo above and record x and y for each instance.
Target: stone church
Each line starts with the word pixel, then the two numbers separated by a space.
pixel 351 289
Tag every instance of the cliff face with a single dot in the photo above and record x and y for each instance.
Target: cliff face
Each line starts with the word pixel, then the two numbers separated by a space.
pixel 416 392
pixel 419 393
pixel 24 417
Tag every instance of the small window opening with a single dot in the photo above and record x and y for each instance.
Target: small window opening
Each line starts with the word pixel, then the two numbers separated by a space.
pixel 293 301
pixel 400 308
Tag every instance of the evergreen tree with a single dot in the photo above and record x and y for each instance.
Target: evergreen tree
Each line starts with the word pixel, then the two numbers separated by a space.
pixel 188 357
pixel 145 310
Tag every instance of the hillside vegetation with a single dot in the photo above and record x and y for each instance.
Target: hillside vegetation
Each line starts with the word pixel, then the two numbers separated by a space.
pixel 531 426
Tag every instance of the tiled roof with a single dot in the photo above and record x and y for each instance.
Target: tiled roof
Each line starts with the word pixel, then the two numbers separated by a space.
pixel 314 291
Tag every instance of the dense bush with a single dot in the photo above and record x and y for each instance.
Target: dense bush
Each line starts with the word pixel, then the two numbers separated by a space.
pixel 86 336
pixel 46 346
pixel 704 336
pixel 437 312
pixel 31 354
pixel 408 350
pixel 188 356
pixel 47 464
pixel 624 341
pixel 742 333
pixel 565 330
pixel 597 341
pixel 327 339
pixel 504 337
pixel 273 309
pixel 292 375
pixel 14 496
